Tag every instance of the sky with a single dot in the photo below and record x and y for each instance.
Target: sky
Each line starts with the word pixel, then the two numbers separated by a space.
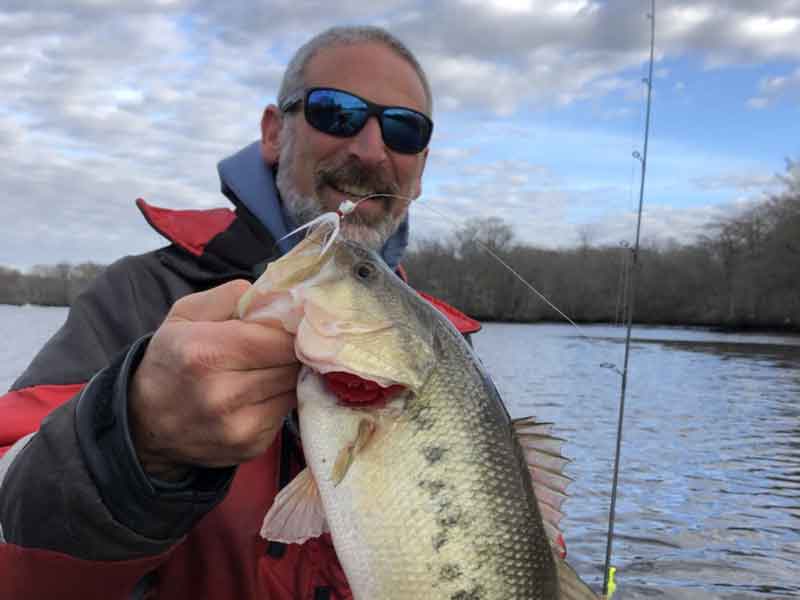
pixel 539 106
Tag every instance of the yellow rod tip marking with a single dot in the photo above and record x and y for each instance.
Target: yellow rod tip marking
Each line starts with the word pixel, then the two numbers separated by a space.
pixel 612 586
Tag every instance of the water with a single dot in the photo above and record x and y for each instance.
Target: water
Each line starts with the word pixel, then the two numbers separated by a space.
pixel 709 497
pixel 709 493
pixel 23 330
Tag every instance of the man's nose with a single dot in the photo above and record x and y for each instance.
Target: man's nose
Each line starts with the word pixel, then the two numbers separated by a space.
pixel 367 144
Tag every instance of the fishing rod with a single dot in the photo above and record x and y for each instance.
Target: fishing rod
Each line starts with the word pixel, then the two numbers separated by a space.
pixel 631 285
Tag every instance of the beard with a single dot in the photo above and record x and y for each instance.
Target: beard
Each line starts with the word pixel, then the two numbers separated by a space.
pixel 370 231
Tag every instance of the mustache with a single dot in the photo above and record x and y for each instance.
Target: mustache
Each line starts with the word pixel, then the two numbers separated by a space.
pixel 354 173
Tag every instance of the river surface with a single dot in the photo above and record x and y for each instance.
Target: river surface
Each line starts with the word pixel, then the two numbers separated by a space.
pixel 709 495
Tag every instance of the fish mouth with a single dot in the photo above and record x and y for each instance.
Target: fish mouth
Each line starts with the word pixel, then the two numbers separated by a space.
pixel 335 343
pixel 355 391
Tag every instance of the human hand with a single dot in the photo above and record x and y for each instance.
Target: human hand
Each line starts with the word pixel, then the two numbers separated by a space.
pixel 211 390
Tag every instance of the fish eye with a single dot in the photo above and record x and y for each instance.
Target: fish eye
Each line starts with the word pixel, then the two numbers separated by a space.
pixel 365 271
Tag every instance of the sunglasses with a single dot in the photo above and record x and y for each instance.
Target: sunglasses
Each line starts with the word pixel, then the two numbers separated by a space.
pixel 343 114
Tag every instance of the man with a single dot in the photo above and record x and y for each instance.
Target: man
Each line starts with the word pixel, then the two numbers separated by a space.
pixel 159 453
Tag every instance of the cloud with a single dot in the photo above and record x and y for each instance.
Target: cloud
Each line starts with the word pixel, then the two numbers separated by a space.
pixel 664 224
pixel 538 217
pixel 757 103
pixel 445 156
pixel 623 112
pixel 546 218
pixel 549 210
pixel 513 173
pixel 734 32
pixel 737 182
pixel 773 89
pixel 101 102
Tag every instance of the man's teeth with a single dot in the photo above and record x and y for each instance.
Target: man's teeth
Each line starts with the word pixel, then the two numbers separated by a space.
pixel 353 191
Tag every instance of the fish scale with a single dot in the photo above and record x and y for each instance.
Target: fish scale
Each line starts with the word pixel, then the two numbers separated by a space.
pixel 449 516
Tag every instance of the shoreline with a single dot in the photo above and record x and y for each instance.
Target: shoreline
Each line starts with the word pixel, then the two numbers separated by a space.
pixel 745 328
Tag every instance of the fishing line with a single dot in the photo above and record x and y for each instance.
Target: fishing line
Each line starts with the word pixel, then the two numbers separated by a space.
pixel 511 270
pixel 347 207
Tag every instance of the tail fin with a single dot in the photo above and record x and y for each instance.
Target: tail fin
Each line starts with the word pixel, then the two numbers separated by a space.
pixel 571 585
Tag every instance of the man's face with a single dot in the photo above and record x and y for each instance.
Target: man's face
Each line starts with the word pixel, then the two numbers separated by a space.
pixel 317 171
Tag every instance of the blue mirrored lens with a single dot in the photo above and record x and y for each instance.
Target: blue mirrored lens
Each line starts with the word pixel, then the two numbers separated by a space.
pixel 341 114
pixel 404 130
pixel 336 113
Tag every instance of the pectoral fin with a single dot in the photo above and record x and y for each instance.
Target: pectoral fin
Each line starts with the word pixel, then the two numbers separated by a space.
pixel 296 514
pixel 366 427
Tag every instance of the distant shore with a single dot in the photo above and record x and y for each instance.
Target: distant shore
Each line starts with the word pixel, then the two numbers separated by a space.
pixel 739 276
pixel 746 328
pixel 790 329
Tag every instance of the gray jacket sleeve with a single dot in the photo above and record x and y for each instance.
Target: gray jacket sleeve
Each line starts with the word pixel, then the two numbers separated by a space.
pixel 76 486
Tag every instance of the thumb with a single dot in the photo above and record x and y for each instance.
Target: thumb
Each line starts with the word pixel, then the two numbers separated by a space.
pixel 217 304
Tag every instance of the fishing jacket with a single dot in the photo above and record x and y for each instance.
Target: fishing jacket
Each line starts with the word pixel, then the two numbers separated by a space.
pixel 79 518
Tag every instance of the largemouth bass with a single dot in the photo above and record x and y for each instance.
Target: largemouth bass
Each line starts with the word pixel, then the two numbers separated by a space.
pixel 414 465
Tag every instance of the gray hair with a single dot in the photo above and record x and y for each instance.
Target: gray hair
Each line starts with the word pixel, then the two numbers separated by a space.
pixel 294 76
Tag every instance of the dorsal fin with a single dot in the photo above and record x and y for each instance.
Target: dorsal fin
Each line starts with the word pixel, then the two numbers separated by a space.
pixel 542 453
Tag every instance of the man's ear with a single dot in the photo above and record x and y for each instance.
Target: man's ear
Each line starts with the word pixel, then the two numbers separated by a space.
pixel 423 160
pixel 271 123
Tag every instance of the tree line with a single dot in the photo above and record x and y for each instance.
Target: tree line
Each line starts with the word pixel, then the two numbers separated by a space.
pixel 47 285
pixel 742 273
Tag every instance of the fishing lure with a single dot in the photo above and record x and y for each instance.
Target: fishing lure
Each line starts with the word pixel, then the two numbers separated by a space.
pixel 334 218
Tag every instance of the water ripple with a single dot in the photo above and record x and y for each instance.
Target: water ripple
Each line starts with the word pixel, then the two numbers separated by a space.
pixel 708 503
